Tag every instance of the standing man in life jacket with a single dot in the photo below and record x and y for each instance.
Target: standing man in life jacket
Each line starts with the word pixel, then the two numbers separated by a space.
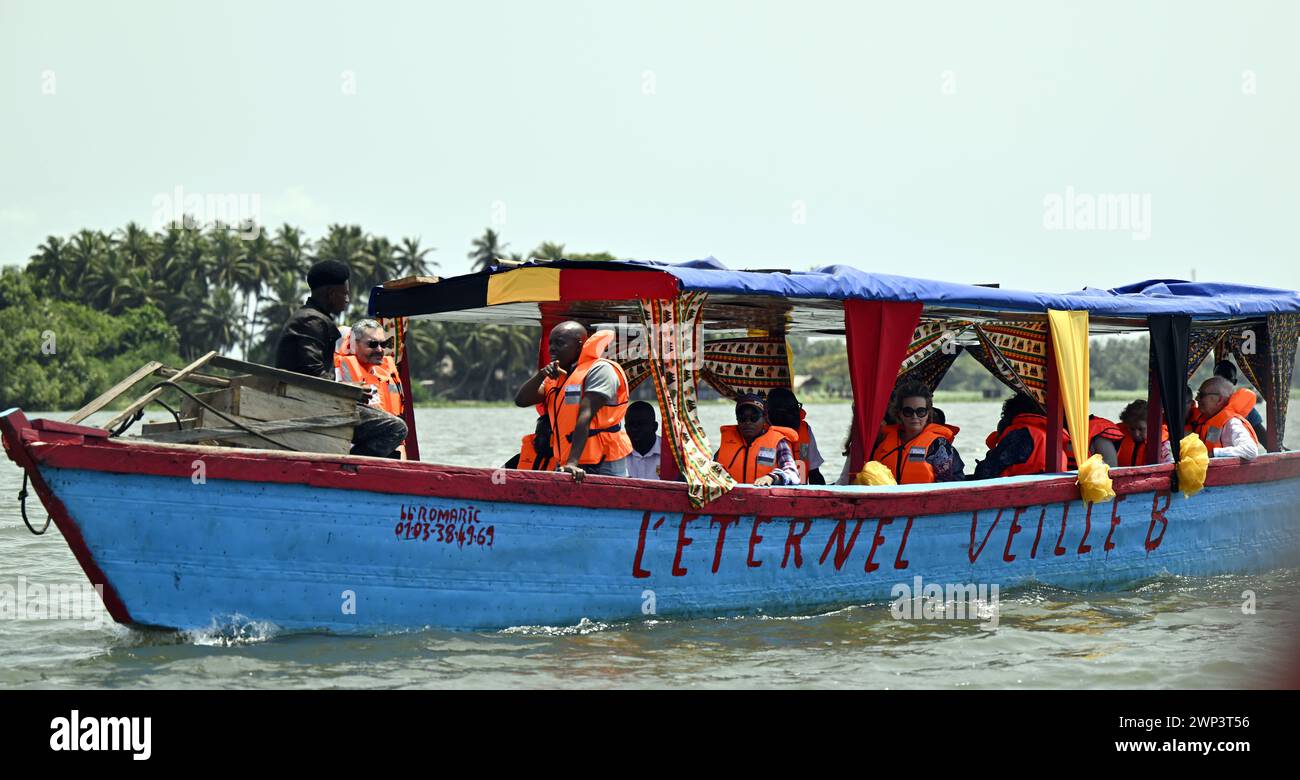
pixel 585 397
pixel 916 449
pixel 1223 429
pixel 784 410
pixel 306 346
pixel 1019 445
pixel 1243 399
pixel 756 452
pixel 1132 449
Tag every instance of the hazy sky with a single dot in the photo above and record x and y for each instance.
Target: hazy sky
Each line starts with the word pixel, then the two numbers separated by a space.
pixel 919 138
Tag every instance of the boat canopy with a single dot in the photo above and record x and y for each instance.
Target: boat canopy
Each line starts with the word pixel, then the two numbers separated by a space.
pixel 700 321
pixel 797 301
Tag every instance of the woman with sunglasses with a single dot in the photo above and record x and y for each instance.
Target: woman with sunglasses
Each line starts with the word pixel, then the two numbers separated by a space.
pixel 916 449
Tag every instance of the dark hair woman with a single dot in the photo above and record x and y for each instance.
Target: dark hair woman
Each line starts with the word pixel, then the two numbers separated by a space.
pixel 915 448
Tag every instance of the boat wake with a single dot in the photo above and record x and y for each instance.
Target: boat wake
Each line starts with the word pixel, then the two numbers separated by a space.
pixel 233 631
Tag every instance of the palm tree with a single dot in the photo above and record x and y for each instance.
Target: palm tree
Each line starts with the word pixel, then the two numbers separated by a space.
pixel 259 262
pixel 549 250
pixel 52 265
pixel 487 248
pixel 286 294
pixel 291 252
pixel 410 258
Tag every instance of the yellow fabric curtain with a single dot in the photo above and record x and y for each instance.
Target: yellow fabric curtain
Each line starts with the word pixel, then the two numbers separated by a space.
pixel 1070 349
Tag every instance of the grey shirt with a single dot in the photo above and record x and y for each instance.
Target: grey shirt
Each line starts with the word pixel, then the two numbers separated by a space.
pixel 602 380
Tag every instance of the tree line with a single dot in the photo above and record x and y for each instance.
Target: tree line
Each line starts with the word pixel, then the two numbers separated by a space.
pixel 90 307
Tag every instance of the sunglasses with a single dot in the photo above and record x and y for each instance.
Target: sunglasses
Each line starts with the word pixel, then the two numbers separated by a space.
pixel 919 411
pixel 749 415
pixel 374 344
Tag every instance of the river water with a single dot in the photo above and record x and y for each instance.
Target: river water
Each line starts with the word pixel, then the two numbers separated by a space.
pixel 1170 632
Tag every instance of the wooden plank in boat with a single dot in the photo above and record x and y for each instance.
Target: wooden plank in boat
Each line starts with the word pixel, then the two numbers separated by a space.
pixel 150 428
pixel 294 403
pixel 329 434
pixel 113 392
pixel 320 384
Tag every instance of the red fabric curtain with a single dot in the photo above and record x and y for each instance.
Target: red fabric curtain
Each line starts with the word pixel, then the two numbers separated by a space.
pixel 877 335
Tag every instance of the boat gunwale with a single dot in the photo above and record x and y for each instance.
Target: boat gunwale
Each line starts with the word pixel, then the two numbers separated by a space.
pixel 64 448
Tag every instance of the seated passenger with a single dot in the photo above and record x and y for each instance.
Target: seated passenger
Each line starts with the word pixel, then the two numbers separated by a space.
pixel 754 451
pixel 363 355
pixel 916 449
pixel 1019 445
pixel 1243 399
pixel 645 461
pixel 784 409
pixel 1223 429
pixel 535 453
pixel 1103 437
pixel 1132 448
pixel 1193 416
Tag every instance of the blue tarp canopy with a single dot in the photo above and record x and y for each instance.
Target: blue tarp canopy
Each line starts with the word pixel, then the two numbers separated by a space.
pixel 809 300
pixel 1201 300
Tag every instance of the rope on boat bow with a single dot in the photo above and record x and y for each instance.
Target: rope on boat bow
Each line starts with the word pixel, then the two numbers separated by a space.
pixel 22 509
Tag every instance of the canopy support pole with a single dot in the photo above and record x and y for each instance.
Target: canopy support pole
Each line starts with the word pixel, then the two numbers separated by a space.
pixel 1054 463
pixel 1155 416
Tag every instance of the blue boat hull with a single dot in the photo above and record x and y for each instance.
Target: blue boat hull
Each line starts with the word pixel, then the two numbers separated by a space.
pixel 195 556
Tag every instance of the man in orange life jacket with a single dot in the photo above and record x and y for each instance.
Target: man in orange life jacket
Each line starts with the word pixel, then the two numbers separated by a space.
pixel 784 409
pixel 363 360
pixel 753 450
pixel 1132 450
pixel 585 397
pixel 1243 399
pixel 1223 429
pixel 1019 445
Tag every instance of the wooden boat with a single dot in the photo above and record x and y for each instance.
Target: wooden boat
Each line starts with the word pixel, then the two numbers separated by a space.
pixel 314 541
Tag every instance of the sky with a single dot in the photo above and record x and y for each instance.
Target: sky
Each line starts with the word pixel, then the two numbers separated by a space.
pixel 1038 145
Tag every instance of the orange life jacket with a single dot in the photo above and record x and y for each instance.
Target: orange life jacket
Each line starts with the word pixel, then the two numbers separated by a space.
pixel 1242 401
pixel 802 452
pixel 529 460
pixel 1036 424
pixel 1097 426
pixel 746 462
pixel 383 376
pixel 1211 430
pixel 1134 453
pixel 908 461
pixel 606 439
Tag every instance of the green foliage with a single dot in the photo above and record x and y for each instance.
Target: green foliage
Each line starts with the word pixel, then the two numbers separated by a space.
pixel 60 355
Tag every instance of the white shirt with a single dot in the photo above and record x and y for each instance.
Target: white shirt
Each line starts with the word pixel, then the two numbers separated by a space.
pixel 1238 442
pixel 644 466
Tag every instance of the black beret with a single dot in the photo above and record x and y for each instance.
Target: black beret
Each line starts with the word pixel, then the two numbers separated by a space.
pixel 326 273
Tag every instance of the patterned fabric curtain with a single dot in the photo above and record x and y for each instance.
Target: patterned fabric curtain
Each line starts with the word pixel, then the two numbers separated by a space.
pixel 397 327
pixel 926 361
pixel 1201 343
pixel 673 328
pixel 1016 354
pixel 1269 364
pixel 746 365
pixel 630 354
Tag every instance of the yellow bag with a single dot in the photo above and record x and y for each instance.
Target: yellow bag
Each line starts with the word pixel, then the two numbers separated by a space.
pixel 1094 480
pixel 874 473
pixel 1193 461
